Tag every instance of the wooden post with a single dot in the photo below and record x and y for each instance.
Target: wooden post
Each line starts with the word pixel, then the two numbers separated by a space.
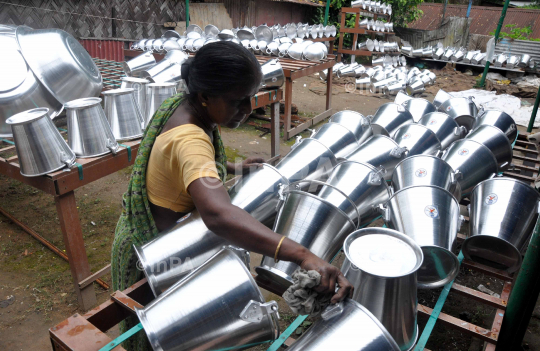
pixel 288 106
pixel 66 207
pixel 329 88
pixel 274 129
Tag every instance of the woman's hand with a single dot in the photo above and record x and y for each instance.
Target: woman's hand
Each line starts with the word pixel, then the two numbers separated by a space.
pixel 330 275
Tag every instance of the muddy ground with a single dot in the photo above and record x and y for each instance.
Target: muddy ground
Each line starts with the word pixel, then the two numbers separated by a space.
pixel 40 282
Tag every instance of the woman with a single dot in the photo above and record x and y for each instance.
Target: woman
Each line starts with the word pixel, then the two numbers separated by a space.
pixel 181 165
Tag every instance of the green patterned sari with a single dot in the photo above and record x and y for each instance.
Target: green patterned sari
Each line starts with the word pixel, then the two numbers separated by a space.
pixel 136 225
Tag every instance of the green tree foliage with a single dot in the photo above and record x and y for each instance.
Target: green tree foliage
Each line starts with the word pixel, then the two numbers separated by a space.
pixel 516 33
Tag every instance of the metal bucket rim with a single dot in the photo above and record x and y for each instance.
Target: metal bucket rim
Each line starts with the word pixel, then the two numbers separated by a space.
pixel 387 231
pixel 424 186
pixel 71 160
pixel 429 102
pixel 348 129
pixel 509 144
pixel 304 193
pixel 285 180
pixel 373 169
pixel 384 136
pixel 517 181
pixel 325 201
pixel 152 338
pixel 494 238
pixel 482 146
pixel 149 275
pixel 449 278
pixel 423 155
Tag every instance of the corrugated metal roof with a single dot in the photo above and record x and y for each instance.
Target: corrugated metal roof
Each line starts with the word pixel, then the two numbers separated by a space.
pixel 484 19
pixel 305 2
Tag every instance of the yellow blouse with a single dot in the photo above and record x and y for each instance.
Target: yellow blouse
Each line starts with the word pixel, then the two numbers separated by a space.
pixel 178 157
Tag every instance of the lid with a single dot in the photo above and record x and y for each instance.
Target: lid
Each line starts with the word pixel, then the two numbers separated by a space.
pixel 13 70
pixel 383 254
pixel 121 91
pixel 80 103
pixel 27 116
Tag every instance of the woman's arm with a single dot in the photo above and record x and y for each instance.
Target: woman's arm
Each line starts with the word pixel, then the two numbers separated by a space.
pixel 245 166
pixel 238 227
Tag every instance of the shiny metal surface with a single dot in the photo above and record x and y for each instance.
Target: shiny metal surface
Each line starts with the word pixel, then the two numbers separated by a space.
pixel 384 268
pixel 213 317
pixel 140 86
pixel 445 128
pixel 418 139
pixel 60 63
pixel 315 52
pixel 441 98
pixel 257 192
pixel 139 64
pixel 171 34
pixel 463 110
pixel 418 107
pixel 415 87
pixel 211 31
pixel 20 90
pixel 389 118
pixel 312 222
pixel 273 76
pixel 426 170
pixel 379 151
pixel 338 330
pixel 264 33
pixel 123 114
pixel 175 56
pixel 245 33
pixel 171 44
pixel 171 74
pixel 502 215
pixel 164 259
pixel 89 133
pixel 336 137
pixel 157 93
pixel 430 216
pixel 496 141
pixel 401 97
pixel 40 147
pixel 498 119
pixel 355 122
pixel 473 160
pixel 362 183
pixel 309 159
pixel 524 61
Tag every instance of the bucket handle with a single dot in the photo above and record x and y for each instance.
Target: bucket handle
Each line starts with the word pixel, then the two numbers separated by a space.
pixel 455 177
pixel 376 177
pixel 383 211
pixel 282 191
pixel 255 311
pixel 112 145
pixel 297 142
pixel 460 131
pixel 461 220
pixel 332 311
pixel 398 151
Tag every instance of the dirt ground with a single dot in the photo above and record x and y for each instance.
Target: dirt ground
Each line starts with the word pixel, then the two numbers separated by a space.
pixel 40 282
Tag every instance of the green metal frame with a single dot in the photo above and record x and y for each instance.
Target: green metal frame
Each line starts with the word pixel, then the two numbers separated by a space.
pixel 499 26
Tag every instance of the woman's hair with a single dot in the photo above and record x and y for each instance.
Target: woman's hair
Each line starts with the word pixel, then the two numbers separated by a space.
pixel 220 67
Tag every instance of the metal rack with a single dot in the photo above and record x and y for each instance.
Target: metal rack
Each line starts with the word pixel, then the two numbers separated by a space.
pixel 356 30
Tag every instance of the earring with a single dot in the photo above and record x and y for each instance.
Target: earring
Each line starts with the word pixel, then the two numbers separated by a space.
pixel 204 104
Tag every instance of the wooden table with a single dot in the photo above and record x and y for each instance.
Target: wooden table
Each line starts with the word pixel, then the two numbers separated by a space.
pixel 62 185
pixel 293 69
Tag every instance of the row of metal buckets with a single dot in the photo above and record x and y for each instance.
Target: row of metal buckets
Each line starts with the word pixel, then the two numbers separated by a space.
pixel 321 219
pixel 453 54
pixel 93 130
pixel 373 6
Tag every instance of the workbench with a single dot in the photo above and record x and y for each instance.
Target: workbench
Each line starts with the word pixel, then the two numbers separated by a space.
pixel 293 69
pixel 62 185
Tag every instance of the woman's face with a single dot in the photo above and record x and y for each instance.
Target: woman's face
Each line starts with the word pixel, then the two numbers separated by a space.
pixel 231 109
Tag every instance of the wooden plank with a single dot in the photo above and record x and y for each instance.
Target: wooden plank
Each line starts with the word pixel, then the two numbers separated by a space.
pixel 42 183
pixel 355 52
pixel 66 208
pixel 287 107
pixel 77 333
pixel 95 169
pixel 524 158
pixel 89 280
pixel 522 149
pixel 321 116
pixel 126 302
pixel 274 129
pixel 499 314
pixel 486 270
pixel 520 177
pixel 313 69
pixel 479 296
pixel 300 128
pixel 456 323
pixel 353 30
